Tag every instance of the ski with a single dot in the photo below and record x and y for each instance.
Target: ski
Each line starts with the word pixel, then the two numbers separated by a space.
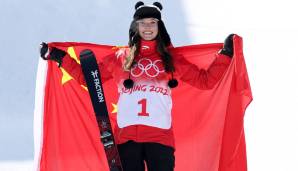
pixel 93 80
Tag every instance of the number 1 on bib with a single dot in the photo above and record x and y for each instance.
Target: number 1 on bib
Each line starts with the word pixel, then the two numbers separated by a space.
pixel 143 104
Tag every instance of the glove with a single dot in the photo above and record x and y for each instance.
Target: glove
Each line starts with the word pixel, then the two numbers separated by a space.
pixel 228 48
pixel 44 51
pixel 54 54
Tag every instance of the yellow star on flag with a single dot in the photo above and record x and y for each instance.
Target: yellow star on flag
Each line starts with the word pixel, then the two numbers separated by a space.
pixel 115 108
pixel 66 77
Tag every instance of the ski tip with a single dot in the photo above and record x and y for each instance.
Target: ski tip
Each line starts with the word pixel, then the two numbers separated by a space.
pixel 86 52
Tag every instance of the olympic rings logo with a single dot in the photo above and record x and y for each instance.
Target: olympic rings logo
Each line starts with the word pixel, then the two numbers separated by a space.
pixel 145 65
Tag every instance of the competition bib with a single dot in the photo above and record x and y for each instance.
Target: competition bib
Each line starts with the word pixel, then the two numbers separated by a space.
pixel 145 104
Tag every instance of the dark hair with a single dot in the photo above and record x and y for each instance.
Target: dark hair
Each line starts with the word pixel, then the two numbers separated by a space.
pixel 163 41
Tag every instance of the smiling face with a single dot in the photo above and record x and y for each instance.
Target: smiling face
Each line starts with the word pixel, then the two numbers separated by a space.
pixel 148 28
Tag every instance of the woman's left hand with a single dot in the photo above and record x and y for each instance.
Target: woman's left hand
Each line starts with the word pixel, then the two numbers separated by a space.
pixel 228 48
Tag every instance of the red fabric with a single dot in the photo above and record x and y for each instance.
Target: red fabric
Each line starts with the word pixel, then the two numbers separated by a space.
pixel 111 67
pixel 207 124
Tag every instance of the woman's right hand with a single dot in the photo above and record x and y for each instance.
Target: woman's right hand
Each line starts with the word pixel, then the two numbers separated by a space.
pixel 48 53
pixel 44 51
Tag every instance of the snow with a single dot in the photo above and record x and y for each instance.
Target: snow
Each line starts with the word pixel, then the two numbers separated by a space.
pixel 26 165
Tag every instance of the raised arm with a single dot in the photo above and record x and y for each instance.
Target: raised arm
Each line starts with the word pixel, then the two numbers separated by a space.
pixel 205 78
pixel 71 66
pixel 202 78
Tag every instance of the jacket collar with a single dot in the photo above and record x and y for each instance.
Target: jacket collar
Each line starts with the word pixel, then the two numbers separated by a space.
pixel 148 47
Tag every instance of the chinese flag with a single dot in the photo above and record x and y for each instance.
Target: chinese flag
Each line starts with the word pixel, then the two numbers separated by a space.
pixel 208 124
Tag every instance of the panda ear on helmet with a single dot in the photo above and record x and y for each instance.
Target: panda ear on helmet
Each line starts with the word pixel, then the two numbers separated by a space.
pixel 138 4
pixel 158 5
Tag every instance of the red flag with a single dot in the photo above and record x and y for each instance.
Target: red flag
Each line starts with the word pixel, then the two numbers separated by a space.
pixel 208 124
